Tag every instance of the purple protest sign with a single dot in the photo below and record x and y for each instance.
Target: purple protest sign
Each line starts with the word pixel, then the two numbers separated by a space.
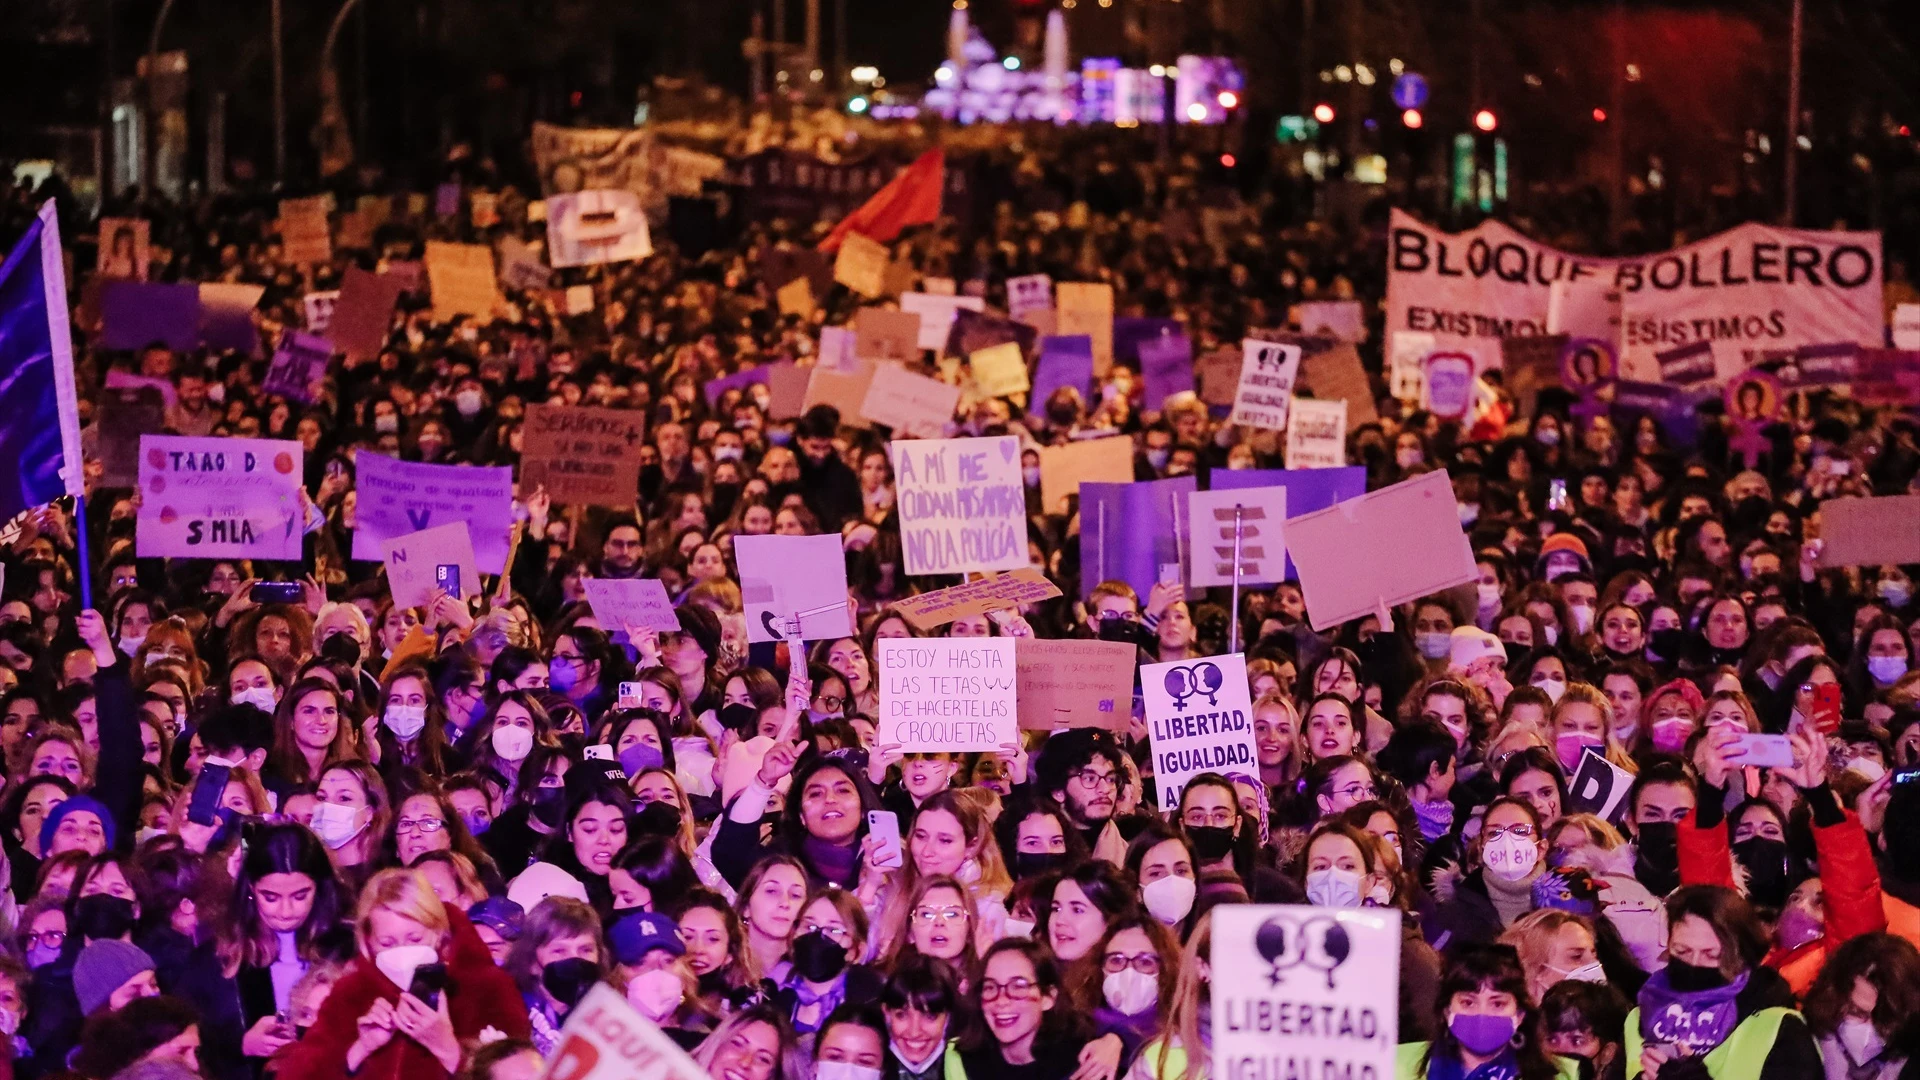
pixel 1065 360
pixel 398 498
pixel 138 313
pixel 298 365
pixel 1753 400
pixel 1166 367
pixel 739 380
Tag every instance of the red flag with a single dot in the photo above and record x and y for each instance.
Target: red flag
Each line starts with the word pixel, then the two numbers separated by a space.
pixel 912 198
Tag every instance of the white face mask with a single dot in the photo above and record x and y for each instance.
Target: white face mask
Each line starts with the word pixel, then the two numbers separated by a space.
pixel 1018 928
pixel 405 721
pixel 1489 597
pixel 656 993
pixel 1169 899
pixel 1589 972
pixel 399 963
pixel 1860 1039
pixel 512 743
pixel 1582 618
pixel 130 644
pixel 1553 688
pixel 844 1070
pixel 1333 887
pixel 260 697
pixel 335 824
pixel 1510 857
pixel 1130 991
pixel 1433 646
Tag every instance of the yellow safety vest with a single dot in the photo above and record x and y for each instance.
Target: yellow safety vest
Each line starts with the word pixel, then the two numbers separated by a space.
pixel 1407 1065
pixel 1742 1055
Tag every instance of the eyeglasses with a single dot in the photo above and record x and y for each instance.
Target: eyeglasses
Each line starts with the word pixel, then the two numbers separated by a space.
pixel 1144 963
pixel 939 915
pixel 837 933
pixel 830 702
pixel 1359 789
pixel 1220 815
pixel 1096 780
pixel 45 939
pixel 1014 989
pixel 1523 830
pixel 427 826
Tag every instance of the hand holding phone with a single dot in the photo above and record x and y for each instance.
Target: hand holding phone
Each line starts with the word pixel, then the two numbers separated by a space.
pixel 447 576
pixel 1764 751
pixel 275 592
pixel 1825 712
pixel 428 981
pixel 884 827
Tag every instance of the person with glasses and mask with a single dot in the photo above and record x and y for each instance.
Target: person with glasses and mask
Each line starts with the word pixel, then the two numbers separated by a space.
pixel 1133 982
pixel 1025 1033
pixel 1497 885
pixel 1225 840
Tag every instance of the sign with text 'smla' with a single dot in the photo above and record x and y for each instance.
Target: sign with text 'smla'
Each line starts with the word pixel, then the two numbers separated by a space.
pixel 583 454
pixel 953 695
pixel 218 498
pixel 962 504
pixel 1306 991
pixel 1199 719
pixel 1267 373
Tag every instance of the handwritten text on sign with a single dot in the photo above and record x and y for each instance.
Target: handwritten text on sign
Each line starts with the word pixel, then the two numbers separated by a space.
pixel 1200 719
pixel 211 498
pixel 953 695
pixel 962 505
pixel 1267 373
pixel 400 497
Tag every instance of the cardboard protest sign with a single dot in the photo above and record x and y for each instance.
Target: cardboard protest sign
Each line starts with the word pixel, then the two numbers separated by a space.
pixel 787 390
pixel 1001 592
pixel 999 371
pixel 1135 532
pixel 629 604
pixel 883 334
pixel 226 317
pixel 521 267
pixel 1217 378
pixel 961 504
pixel 364 314
pixel 1064 468
pixel 578 299
pixel 299 365
pixel 1336 374
pixel 583 454
pixel 1257 516
pixel 400 497
pixel 121 416
pixel 837 350
pixel 946 695
pixel 1028 294
pixel 219 498
pixel 1064 361
pixel 973 331
pixel 1598 786
pixel 1086 307
pixel 789 578
pixel 411 560
pixel 1166 367
pixel 592 227
pixel 461 277
pixel 779 266
pixel 1883 531
pixel 305 236
pixel 1307 489
pixel 795 298
pixel 607 1039
pixel 936 314
pixel 317 307
pixel 483 209
pixel 1343 320
pixel 1688 365
pixel 1267 371
pixel 1277 965
pixel 136 314
pixel 353 231
pixel 1391 546
pixel 844 390
pixel 1316 434
pixel 1073 683
pixel 1528 364
pixel 1906 326
pixel 1449 382
pixel 861 265
pixel 910 404
pixel 1199 716
pixel 124 251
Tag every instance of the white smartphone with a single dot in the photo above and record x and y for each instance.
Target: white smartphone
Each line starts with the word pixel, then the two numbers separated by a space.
pixel 884 827
pixel 1765 751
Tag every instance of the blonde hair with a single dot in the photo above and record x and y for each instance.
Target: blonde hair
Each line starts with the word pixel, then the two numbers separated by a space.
pixel 994 881
pixel 404 893
pixel 1581 693
pixel 1532 934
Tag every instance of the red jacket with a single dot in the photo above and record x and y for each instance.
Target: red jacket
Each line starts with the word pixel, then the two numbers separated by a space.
pixel 479 995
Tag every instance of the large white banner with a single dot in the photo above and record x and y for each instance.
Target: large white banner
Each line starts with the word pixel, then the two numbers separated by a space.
pixel 1305 991
pixel 1751 288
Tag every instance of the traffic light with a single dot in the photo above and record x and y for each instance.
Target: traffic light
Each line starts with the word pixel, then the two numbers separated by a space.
pixel 1413 119
pixel 1228 99
pixel 1485 120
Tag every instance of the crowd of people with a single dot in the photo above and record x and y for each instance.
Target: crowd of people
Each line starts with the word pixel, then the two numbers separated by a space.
pixel 441 827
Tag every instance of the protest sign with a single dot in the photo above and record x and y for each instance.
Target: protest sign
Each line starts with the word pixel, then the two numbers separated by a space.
pixel 1064 362
pixel 1217 375
pixel 1001 592
pixel 317 308
pixel 1261 517
pixel 1064 468
pixel 630 604
pixel 1031 293
pixel 137 314
pixel 1362 556
pixel 936 314
pixel 947 695
pixel 1336 374
pixel 910 404
pixel 219 498
pixel 520 266
pixel 461 277
pixel 739 380
pixel 412 558
pixel 1406 355
pixel 299 365
pixel 845 390
pixel 1585 308
pixel 795 298
pixel 1598 786
pixel 861 265
pixel 226 317
pixel 837 351
pixel 607 1039
pixel 787 390
pixel 121 416
pixel 961 504
pixel 1316 434
pixel 591 227
pixel 1888 377
pixel 483 209
pixel 780 266
pixel 1448 378
pixel 1343 320
pixel 999 371
pixel 972 331
pixel 1267 371
pixel 305 236
pixel 1749 288
pixel 127 380
pixel 1134 532
pixel 784 579
pixel 400 497
pixel 1906 326
pixel 1199 718
pixel 1688 365
pixel 1528 364
pixel 583 454
pixel 884 334
pixel 364 314
pixel 352 231
pixel 578 299
pixel 1073 683
pixel 1301 991
pixel 1883 531
pixel 1166 367
pixel 123 251
pixel 1086 307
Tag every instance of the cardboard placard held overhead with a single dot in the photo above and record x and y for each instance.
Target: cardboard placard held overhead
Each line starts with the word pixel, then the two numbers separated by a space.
pixel 936 314
pixel 1074 683
pixel 1260 526
pixel 226 317
pixel 364 314
pixel 1307 489
pixel 1086 307
pixel 136 313
pixel 975 330
pixel 862 265
pixel 318 308
pixel 124 249
pixel 912 405
pixel 583 454
pixel 787 390
pixel 999 371
pixel 1217 376
pixel 1199 716
pixel 299 366
pixel 1598 787
pixel 1000 592
pixel 461 277
pixel 1064 468
pixel 844 390
pixel 1029 294
pixel 411 560
pixel 1341 319
pixel 1064 362
pixel 219 498
pixel 1334 962
pixel 1883 531
pixel 1135 532
pixel 1336 375
pixel 1166 367
pixel 1267 372
pixel 1392 546
pixel 586 228
pixel 885 334
pixel 1316 434
pixel 961 503
pixel 946 695
pixel 630 604
pixel 305 236
pixel 795 298
pixel 786 578
pixel 400 497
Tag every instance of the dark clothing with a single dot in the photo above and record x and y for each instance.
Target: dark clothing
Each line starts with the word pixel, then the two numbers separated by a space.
pixel 512 840
pixel 1053 1059
pixel 117 776
pixel 228 1007
pixel 53 1021
pixel 831 490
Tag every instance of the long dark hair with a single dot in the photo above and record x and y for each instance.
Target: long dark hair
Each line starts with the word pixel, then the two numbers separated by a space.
pixel 1066 1024
pixel 1496 967
pixel 280 849
pixel 1891 965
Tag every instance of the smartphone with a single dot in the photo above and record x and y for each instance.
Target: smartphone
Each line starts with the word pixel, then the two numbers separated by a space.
pixel 1906 776
pixel 336 467
pixel 1557 495
pixel 1169 573
pixel 1765 751
pixel 884 827
pixel 447 576
pixel 208 787
pixel 428 981
pixel 629 696
pixel 275 592
pixel 1825 713
pixel 598 752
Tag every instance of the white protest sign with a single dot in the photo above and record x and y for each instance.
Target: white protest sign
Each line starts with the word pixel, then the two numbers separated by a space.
pixel 962 504
pixel 589 227
pixel 319 310
pixel 1362 556
pixel 1598 786
pixel 1406 373
pixel 607 1039
pixel 218 498
pixel 1267 373
pixel 1342 319
pixel 936 314
pixel 1033 292
pixel 1448 377
pixel 412 560
pixel 400 497
pixel 800 578
pixel 909 403
pixel 1303 991
pixel 1906 326
pixel 629 604
pixel 1211 515
pixel 947 695
pixel 1199 719
pixel 1316 434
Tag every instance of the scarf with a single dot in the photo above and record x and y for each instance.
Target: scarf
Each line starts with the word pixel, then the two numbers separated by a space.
pixel 1436 818
pixel 1448 1067
pixel 1511 899
pixel 836 864
pixel 1697 1021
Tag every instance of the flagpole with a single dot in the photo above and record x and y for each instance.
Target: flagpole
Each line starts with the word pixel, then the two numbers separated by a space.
pixel 80 546
pixel 1233 618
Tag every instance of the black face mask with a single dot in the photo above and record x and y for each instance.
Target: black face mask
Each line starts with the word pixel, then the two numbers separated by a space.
pixel 1769 867
pixel 1033 864
pixel 713 983
pixel 817 957
pixel 1667 644
pixel 1692 978
pixel 101 916
pixel 1211 843
pixel 658 818
pixel 549 805
pixel 1515 653
pixel 619 913
pixel 1657 863
pixel 567 981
